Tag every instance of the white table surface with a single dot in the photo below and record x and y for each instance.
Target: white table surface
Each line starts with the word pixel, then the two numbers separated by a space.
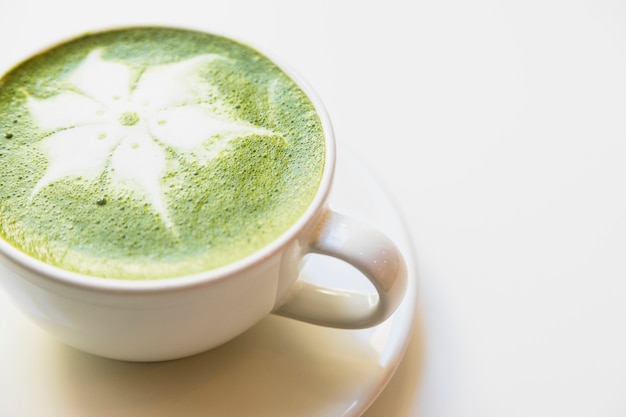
pixel 500 130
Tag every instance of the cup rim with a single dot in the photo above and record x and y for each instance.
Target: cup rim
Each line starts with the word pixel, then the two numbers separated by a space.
pixel 118 285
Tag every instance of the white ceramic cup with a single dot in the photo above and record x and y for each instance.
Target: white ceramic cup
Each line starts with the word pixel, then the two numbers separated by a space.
pixel 177 317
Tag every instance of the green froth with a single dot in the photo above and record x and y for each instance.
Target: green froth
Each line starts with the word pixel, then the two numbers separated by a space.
pixel 220 210
pixel 129 119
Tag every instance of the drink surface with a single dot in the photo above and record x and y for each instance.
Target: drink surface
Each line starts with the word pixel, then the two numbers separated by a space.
pixel 146 153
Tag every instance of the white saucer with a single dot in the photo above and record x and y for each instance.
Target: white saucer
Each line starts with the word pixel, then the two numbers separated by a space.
pixel 279 368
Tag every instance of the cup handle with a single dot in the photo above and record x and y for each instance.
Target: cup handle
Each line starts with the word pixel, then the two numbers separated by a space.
pixel 368 250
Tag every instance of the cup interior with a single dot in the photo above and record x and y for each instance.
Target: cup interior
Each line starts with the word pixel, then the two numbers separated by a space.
pixel 315 208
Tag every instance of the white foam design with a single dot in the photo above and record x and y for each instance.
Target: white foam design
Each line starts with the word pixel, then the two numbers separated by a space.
pixel 107 124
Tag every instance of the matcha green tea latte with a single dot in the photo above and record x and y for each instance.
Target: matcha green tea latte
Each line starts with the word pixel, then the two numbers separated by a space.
pixel 151 152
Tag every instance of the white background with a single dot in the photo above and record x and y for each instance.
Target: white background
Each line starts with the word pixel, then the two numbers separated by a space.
pixel 500 130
